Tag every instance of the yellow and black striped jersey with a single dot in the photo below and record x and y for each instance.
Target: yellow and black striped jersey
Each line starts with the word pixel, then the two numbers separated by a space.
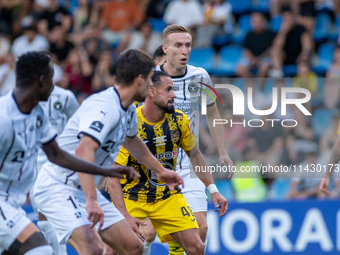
pixel 162 139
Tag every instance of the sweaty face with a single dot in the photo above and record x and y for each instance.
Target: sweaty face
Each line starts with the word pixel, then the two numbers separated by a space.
pixel 144 88
pixel 164 95
pixel 178 49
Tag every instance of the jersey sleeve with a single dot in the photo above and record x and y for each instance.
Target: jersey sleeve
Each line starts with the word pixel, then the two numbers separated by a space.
pixel 71 106
pixel 48 133
pixel 187 141
pixel 132 132
pixel 98 123
pixel 208 88
pixel 6 134
pixel 123 157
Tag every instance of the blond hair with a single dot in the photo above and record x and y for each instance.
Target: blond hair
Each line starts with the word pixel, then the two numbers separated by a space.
pixel 171 29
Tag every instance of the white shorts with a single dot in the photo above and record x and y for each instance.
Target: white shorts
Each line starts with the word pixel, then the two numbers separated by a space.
pixel 12 222
pixel 194 192
pixel 65 206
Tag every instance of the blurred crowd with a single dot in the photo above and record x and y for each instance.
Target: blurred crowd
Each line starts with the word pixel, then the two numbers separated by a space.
pixel 283 43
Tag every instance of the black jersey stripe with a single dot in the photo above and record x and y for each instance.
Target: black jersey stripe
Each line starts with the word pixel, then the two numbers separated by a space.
pixel 6 155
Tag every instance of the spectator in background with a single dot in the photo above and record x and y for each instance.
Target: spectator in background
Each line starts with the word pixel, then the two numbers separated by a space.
pixel 7 75
pixel 60 46
pixel 119 18
pixel 79 71
pixel 55 15
pixel 29 41
pixel 257 46
pixel 93 43
pixel 306 78
pixel 156 8
pixel 144 39
pixel 104 74
pixel 291 45
pixel 328 138
pixel 187 13
pixel 159 56
pixel 307 184
pixel 218 20
pixel 24 17
pixel 6 17
pixel 332 88
pixel 5 46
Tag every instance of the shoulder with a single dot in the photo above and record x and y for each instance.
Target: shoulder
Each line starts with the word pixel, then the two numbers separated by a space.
pixel 193 71
pixel 180 116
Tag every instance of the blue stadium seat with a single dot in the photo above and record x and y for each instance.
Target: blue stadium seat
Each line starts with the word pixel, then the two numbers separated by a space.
pixel 228 59
pixel 281 188
pixel 157 24
pixel 239 82
pixel 222 40
pixel 321 120
pixel 240 6
pixel 275 23
pixel 322 27
pixel 325 58
pixel 260 6
pixel 289 70
pixel 334 35
pixel 203 58
pixel 244 26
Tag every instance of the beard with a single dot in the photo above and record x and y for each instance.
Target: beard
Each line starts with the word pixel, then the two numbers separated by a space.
pixel 165 107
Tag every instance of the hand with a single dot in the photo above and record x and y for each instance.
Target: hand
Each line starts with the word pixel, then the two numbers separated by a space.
pixel 95 213
pixel 324 185
pixel 218 199
pixel 120 171
pixel 134 224
pixel 171 178
pixel 225 160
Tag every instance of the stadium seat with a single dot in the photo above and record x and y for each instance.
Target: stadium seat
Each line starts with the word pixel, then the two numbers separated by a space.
pixel 260 6
pixel 334 35
pixel 228 59
pixel 325 58
pixel 203 58
pixel 241 30
pixel 157 24
pixel 322 27
pixel 321 120
pixel 275 23
pixel 289 70
pixel 222 40
pixel 240 6
pixel 239 82
pixel 280 189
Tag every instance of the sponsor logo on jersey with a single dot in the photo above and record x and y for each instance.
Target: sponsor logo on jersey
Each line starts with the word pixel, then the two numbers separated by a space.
pixel 57 105
pixel 97 126
pixel 159 141
pixel 167 155
pixel 175 88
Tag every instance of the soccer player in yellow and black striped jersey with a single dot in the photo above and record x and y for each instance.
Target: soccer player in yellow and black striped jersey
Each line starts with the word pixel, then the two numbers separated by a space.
pixel 163 129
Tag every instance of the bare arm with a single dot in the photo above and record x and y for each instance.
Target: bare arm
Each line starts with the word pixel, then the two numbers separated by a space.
pixel 66 160
pixel 140 151
pixel 198 162
pixel 217 134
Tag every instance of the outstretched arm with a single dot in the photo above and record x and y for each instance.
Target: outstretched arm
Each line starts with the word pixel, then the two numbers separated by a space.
pixel 199 163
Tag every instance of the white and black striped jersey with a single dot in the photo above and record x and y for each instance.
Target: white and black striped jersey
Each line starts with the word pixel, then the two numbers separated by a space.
pixel 61 105
pixel 20 137
pixel 188 89
pixel 101 117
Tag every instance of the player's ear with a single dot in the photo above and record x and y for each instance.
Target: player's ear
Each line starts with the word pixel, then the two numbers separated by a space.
pixel 41 80
pixel 165 48
pixel 140 79
pixel 151 91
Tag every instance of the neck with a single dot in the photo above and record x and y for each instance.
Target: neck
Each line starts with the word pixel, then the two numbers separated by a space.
pixel 152 113
pixel 173 71
pixel 23 98
pixel 125 95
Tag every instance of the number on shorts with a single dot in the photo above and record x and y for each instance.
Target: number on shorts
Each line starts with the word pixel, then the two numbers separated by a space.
pixel 185 211
pixel 2 214
pixel 71 199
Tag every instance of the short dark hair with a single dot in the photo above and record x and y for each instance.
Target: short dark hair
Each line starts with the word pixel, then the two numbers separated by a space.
pixel 30 66
pixel 159 52
pixel 132 63
pixel 156 77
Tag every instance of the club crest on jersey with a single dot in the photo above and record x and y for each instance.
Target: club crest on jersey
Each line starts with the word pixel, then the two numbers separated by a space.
pixel 39 121
pixel 57 105
pixel 193 87
pixel 97 126
pixel 174 134
pixel 175 88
